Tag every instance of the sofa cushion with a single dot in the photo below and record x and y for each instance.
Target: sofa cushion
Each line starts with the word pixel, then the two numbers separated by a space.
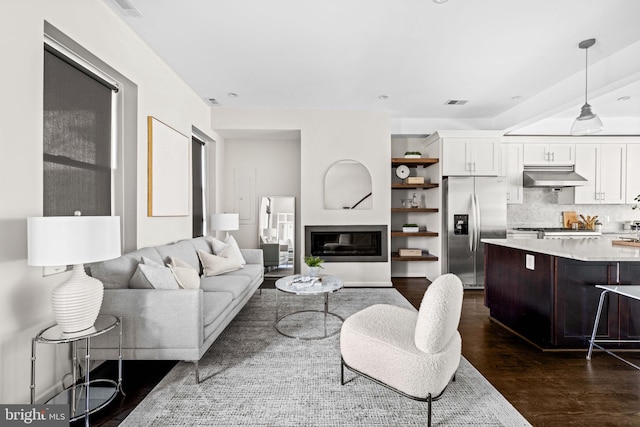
pixel 186 276
pixel 250 270
pixel 183 250
pixel 152 275
pixel 202 244
pixel 225 283
pixel 116 273
pixel 214 304
pixel 214 265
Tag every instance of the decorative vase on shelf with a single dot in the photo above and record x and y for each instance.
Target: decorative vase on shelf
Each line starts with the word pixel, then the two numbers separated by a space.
pixel 313 271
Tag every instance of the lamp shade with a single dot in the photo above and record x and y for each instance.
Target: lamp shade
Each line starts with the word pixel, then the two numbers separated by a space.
pixel 269 232
pixel 225 221
pixel 64 240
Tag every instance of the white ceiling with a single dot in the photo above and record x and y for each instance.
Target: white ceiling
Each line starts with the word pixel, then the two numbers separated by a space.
pixel 516 62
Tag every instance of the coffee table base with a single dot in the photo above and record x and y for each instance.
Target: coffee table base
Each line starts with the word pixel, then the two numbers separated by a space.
pixel 314 337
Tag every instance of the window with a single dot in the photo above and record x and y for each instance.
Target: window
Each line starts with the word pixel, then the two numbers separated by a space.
pixel 77 123
pixel 197 170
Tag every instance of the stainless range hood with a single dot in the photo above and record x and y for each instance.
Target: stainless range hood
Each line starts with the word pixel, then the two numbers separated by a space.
pixel 552 176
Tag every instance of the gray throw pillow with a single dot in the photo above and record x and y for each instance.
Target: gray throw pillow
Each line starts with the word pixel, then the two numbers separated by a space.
pixel 152 275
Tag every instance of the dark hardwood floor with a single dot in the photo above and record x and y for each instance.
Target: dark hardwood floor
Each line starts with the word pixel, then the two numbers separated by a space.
pixel 548 388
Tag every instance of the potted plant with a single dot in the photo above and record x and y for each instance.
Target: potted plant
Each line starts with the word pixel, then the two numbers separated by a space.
pixel 410 228
pixel 412 154
pixel 314 264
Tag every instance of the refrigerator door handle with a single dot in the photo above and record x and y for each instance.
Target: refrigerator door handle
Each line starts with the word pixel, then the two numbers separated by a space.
pixel 474 225
pixel 478 222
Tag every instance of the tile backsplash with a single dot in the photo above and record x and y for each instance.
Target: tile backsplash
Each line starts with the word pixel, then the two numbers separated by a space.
pixel 541 209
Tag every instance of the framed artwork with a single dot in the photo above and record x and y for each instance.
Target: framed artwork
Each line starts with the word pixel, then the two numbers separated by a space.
pixel 168 170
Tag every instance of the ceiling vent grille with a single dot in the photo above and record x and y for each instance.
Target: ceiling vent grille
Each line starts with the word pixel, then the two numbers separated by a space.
pixel 128 9
pixel 214 101
pixel 456 102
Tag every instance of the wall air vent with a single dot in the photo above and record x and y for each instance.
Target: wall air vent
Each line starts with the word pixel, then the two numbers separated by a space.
pixel 128 9
pixel 456 102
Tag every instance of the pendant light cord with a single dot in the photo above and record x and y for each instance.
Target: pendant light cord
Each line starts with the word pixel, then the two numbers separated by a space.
pixel 586 77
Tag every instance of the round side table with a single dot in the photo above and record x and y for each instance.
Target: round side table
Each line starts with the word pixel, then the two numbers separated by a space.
pixel 303 285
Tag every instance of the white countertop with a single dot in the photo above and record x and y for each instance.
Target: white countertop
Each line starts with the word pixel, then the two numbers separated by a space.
pixel 578 249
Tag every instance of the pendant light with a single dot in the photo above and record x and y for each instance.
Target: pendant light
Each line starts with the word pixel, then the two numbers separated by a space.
pixel 587 122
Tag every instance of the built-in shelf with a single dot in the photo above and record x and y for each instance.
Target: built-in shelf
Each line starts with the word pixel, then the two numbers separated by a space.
pixel 414 234
pixel 397 161
pixel 413 163
pixel 424 257
pixel 422 210
pixel 413 186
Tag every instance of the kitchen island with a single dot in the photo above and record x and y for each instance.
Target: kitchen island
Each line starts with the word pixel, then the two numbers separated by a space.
pixel 544 290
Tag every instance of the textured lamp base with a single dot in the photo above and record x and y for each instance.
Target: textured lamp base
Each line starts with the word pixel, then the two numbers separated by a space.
pixel 76 303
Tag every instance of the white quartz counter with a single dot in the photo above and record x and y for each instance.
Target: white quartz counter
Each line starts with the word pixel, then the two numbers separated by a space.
pixel 578 249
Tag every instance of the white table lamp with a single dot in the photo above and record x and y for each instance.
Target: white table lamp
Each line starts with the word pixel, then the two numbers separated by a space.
pixel 76 240
pixel 225 222
pixel 270 234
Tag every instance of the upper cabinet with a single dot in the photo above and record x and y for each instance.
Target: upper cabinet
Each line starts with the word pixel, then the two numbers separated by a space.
pixel 633 173
pixel 512 168
pixel 540 154
pixel 604 167
pixel 470 156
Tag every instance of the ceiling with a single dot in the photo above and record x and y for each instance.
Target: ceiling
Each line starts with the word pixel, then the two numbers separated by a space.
pixel 517 63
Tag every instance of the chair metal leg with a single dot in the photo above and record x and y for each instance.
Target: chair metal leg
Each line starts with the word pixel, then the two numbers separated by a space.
pixel 341 371
pixel 429 410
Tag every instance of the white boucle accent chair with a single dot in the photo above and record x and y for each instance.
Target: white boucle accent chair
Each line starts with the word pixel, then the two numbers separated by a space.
pixel 415 353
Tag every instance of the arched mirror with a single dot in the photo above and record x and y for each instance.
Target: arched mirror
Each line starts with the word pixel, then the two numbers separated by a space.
pixel 276 231
pixel 347 185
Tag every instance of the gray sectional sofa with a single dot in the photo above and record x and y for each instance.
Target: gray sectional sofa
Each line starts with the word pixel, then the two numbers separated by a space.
pixel 172 324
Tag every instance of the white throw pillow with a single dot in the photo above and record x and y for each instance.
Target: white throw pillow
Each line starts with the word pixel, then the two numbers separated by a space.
pixel 214 265
pixel 152 275
pixel 233 251
pixel 218 246
pixel 187 276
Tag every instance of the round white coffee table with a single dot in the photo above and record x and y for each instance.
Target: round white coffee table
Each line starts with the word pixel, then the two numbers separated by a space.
pixel 303 285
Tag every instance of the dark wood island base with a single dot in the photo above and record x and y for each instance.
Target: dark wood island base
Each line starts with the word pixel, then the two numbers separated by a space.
pixel 550 300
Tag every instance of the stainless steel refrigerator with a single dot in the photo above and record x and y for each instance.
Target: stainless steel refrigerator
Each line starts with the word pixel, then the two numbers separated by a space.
pixel 474 208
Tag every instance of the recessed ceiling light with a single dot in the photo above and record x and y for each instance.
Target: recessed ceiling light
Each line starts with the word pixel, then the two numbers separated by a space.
pixel 383 97
pixel 624 98
pixel 232 95
pixel 440 1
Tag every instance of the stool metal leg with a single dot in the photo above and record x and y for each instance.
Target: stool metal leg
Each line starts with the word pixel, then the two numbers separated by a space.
pixel 595 323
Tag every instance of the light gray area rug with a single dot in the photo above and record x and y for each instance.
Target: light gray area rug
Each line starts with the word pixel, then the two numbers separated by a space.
pixel 257 377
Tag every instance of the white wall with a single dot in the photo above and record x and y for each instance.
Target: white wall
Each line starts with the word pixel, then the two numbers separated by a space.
pixel 24 293
pixel 275 165
pixel 326 137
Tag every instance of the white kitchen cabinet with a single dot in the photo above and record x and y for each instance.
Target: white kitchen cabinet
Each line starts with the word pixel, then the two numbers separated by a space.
pixel 512 168
pixel 604 166
pixel 470 156
pixel 537 154
pixel 633 172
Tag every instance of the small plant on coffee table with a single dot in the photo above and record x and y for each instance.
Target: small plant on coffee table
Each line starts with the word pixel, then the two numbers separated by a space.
pixel 313 261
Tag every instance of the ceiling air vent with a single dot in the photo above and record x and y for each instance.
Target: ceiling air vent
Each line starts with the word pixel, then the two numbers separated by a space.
pixel 456 102
pixel 214 101
pixel 128 9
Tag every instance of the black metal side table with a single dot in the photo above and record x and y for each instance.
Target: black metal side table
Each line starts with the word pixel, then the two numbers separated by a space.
pixel 91 395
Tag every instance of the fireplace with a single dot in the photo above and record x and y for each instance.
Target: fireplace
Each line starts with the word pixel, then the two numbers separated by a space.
pixel 347 243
